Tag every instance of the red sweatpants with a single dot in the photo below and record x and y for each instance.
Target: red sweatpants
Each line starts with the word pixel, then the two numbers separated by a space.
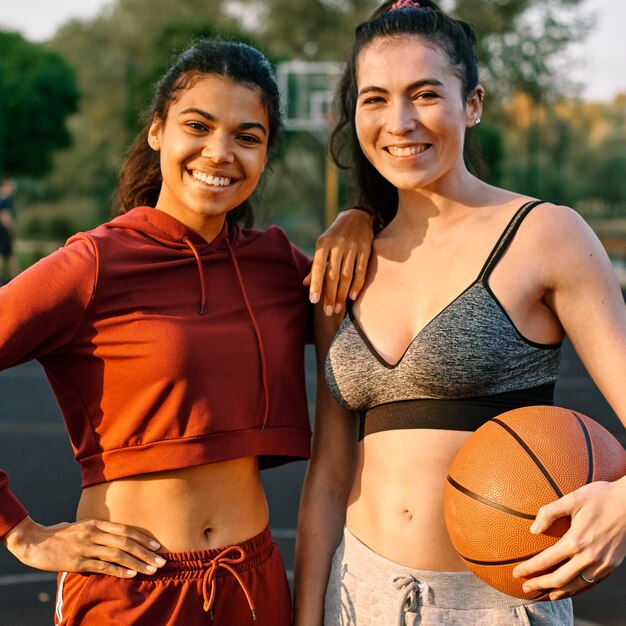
pixel 220 587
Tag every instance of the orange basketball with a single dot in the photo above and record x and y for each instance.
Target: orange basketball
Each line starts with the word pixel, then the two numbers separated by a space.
pixel 509 468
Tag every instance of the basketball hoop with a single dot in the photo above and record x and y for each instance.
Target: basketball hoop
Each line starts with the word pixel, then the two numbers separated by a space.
pixel 307 90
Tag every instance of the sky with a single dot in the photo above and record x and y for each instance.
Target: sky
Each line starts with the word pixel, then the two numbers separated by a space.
pixel 600 61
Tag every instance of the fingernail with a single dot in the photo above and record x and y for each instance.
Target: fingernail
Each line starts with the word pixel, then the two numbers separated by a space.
pixel 151 569
pixel 515 575
pixel 314 298
pixel 534 529
pixel 328 310
pixel 338 308
pixel 154 544
pixel 354 295
pixel 160 561
pixel 526 589
pixel 131 572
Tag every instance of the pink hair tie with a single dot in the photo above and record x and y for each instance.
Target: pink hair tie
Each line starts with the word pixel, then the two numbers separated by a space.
pixel 405 4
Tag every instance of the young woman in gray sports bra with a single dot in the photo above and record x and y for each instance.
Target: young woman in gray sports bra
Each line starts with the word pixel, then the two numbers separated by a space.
pixel 469 293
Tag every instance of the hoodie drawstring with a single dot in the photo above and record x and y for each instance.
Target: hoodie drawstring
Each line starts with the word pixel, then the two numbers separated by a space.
pixel 257 332
pixel 200 274
pixel 255 325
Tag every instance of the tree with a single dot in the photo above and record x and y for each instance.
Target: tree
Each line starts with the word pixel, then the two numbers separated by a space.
pixel 37 94
pixel 118 56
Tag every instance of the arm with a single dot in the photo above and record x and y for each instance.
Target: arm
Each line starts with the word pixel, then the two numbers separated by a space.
pixel 340 260
pixel 585 295
pixel 327 485
pixel 41 310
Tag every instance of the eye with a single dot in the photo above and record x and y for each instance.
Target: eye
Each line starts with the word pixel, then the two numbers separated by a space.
pixel 371 100
pixel 197 126
pixel 250 139
pixel 426 95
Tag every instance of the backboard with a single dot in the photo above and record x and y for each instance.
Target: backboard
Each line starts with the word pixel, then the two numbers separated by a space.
pixel 307 90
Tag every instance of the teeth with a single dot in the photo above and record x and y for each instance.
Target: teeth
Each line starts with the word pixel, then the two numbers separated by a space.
pixel 407 151
pixel 219 181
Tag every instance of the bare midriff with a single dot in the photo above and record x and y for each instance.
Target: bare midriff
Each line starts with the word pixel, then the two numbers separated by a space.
pixel 396 504
pixel 195 508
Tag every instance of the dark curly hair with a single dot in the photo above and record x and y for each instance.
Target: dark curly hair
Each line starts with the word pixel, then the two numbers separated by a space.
pixel 454 37
pixel 140 177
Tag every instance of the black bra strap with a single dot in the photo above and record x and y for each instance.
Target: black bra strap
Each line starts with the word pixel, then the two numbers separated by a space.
pixel 505 239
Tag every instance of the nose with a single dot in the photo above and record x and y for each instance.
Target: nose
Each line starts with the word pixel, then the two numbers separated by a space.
pixel 402 117
pixel 218 148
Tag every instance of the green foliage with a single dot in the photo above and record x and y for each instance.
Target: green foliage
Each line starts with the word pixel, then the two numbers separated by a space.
pixel 317 30
pixel 37 93
pixel 522 44
pixel 491 149
pixel 538 148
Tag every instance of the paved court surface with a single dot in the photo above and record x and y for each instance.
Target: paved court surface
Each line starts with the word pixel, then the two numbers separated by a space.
pixel 35 450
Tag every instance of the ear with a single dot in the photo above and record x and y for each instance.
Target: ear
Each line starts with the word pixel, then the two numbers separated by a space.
pixel 154 133
pixel 474 106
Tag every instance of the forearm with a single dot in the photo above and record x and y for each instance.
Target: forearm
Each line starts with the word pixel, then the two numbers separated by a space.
pixel 326 489
pixel 320 528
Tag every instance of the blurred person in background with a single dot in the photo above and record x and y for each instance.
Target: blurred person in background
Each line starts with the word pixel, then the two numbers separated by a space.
pixel 8 265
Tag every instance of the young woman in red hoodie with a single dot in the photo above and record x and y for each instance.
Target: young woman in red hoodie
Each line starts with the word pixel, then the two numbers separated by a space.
pixel 173 340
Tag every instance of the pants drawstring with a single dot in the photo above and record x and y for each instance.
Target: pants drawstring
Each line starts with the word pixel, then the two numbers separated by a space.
pixel 412 590
pixel 209 581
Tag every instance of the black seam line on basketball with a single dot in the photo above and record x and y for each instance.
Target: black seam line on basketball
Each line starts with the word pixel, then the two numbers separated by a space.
pixel 532 455
pixel 589 448
pixel 503 562
pixel 489 503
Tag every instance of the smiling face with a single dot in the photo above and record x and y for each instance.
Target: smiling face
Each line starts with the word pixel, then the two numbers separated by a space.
pixel 411 115
pixel 213 150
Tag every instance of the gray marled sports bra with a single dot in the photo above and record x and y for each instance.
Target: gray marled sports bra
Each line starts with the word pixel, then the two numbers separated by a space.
pixel 467 365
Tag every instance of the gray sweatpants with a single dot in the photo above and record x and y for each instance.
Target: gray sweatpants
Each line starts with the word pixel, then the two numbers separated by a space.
pixel 366 589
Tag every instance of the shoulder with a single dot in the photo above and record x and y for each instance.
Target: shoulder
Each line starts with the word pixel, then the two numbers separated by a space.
pixel 548 225
pixel 548 215
pixel 272 235
pixel 272 242
pixel 561 242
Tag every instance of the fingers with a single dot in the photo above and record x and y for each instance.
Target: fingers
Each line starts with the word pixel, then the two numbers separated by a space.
pixel 318 269
pixel 360 271
pixel 340 261
pixel 563 582
pixel 89 546
pixel 592 547
pixel 129 532
pixel 336 293
pixel 331 281
pixel 337 272
pixel 548 514
pixel 546 560
pixel 326 276
pixel 121 545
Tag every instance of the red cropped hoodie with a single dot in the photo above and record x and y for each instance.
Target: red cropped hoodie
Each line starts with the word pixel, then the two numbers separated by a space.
pixel 165 351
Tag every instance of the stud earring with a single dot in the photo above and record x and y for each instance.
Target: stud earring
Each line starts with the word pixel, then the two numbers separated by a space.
pixel 477 121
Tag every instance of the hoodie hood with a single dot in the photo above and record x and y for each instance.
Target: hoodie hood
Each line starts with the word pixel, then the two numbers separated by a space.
pixel 170 232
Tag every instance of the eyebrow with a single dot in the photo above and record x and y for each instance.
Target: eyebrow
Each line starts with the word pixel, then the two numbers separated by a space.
pixel 432 82
pixel 211 118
